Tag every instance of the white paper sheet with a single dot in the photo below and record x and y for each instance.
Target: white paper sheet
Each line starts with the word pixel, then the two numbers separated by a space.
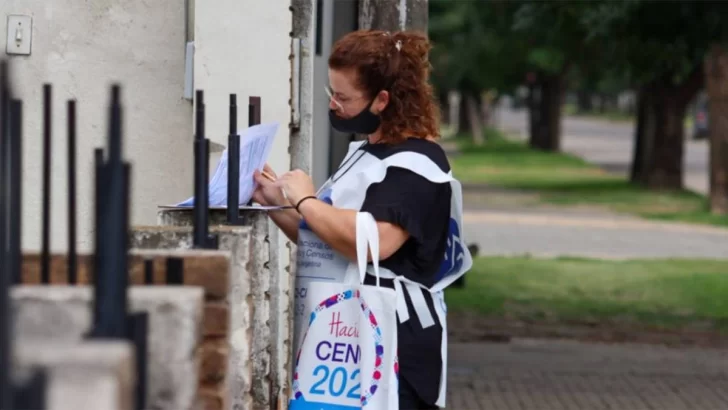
pixel 255 145
pixel 241 207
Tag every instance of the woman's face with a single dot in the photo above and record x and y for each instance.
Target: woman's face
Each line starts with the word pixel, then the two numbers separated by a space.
pixel 346 100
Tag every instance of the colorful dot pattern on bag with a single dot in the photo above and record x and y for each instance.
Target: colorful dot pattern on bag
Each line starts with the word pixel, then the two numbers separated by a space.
pixel 378 347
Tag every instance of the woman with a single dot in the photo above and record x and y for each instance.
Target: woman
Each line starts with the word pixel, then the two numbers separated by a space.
pixel 399 174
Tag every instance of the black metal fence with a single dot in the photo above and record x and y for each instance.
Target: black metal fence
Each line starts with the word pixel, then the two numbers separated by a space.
pixel 14 393
pixel 111 316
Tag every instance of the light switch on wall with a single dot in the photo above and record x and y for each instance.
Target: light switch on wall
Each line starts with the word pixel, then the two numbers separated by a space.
pixel 20 33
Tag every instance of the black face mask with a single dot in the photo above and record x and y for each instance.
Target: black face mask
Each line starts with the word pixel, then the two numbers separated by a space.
pixel 365 122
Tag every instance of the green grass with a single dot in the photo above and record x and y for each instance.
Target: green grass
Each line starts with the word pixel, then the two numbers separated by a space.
pixel 567 180
pixel 655 293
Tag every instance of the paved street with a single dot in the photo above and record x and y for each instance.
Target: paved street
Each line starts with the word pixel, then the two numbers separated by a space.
pixel 565 375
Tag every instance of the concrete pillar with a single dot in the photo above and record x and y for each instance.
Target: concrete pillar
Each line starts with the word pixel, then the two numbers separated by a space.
pixel 89 374
pixel 302 54
pixel 211 271
pixel 260 314
pixel 63 314
pixel 393 15
pixel 207 269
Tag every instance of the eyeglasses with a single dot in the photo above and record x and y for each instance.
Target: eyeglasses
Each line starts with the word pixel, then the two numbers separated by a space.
pixel 340 102
pixel 330 93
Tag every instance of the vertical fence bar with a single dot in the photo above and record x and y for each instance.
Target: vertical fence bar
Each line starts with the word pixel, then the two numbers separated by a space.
pixel 201 193
pixel 175 271
pixel 111 273
pixel 116 218
pixel 253 118
pixel 137 331
pixel 201 234
pixel 137 324
pixel 72 261
pixel 111 317
pixel 99 262
pixel 15 189
pixel 101 189
pixel 46 234
pixel 254 111
pixel 30 394
pixel 98 206
pixel 5 389
pixel 233 192
pixel 148 271
pixel 115 126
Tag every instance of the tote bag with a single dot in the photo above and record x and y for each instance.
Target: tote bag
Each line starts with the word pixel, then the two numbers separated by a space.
pixel 347 356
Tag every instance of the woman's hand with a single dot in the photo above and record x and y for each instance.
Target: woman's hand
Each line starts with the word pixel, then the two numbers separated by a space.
pixel 296 185
pixel 267 193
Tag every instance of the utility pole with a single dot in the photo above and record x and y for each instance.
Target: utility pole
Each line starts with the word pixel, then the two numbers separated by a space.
pixel 302 53
pixel 393 15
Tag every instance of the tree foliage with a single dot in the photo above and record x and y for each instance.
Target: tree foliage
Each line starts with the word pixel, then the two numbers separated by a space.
pixel 656 47
pixel 470 50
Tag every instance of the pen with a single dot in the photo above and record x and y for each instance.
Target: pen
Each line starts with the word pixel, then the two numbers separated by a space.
pixel 273 179
pixel 269 176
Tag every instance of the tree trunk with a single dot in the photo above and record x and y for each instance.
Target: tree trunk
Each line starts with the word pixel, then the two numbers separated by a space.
pixel 476 125
pixel 602 103
pixel 463 124
pixel 664 168
pixel 554 100
pixel 486 110
pixel 716 81
pixel 547 135
pixel 644 135
pixel 389 15
pixel 639 133
pixel 613 102
pixel 584 101
pixel 444 103
pixel 534 112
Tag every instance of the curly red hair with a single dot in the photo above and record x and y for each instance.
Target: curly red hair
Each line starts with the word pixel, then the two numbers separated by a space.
pixel 397 62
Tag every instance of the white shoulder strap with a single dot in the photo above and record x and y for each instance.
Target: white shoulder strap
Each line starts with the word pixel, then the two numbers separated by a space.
pixel 415 162
pixel 420 164
pixel 353 147
pixel 367 239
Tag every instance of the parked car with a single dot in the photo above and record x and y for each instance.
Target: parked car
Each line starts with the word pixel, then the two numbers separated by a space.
pixel 700 118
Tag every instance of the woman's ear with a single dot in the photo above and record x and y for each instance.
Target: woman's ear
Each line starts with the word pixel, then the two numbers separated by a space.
pixel 381 101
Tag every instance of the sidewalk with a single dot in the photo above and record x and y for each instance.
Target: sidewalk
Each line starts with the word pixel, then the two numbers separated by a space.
pixel 563 375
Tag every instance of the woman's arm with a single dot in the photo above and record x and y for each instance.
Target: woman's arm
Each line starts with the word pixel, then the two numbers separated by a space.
pixel 287 220
pixel 337 227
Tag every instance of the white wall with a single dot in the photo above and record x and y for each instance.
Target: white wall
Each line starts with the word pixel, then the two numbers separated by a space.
pixel 243 47
pixel 81 47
